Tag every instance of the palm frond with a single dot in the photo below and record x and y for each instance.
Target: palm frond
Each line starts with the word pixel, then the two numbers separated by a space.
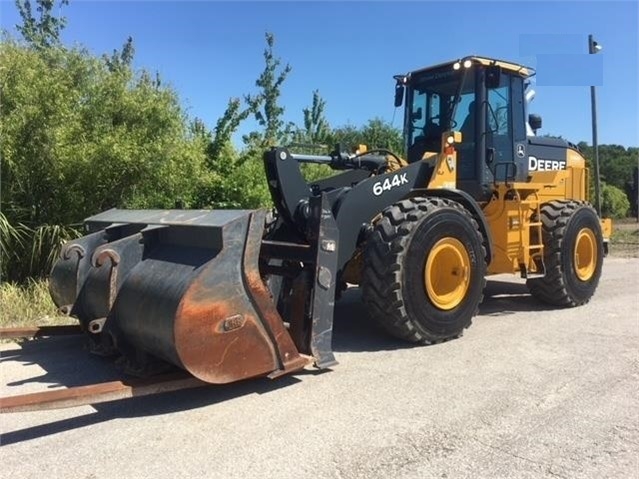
pixel 13 238
pixel 46 243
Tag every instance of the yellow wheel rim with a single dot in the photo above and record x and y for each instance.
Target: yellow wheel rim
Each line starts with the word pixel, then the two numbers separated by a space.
pixel 585 259
pixel 447 273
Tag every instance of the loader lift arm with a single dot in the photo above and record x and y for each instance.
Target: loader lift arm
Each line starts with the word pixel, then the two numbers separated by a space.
pixel 355 198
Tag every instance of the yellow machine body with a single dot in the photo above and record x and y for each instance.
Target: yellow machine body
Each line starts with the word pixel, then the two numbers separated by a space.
pixel 512 212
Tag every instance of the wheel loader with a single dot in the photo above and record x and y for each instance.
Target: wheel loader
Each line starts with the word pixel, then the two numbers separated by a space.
pixel 227 295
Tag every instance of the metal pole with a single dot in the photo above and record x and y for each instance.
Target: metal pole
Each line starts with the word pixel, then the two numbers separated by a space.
pixel 593 100
pixel 635 186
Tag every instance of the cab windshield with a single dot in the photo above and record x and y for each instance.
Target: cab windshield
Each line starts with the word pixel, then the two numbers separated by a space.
pixel 438 104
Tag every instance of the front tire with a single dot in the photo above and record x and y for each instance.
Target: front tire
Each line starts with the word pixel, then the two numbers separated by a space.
pixel 424 269
pixel 573 254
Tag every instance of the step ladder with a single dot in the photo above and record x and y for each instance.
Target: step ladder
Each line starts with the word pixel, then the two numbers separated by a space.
pixel 534 249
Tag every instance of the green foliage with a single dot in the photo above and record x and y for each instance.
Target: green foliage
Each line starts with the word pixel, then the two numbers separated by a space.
pixel 80 138
pixel 379 134
pixel 227 125
pixel 12 243
pixel 45 244
pixel 30 252
pixel 616 163
pixel 121 60
pixel 81 135
pixel 313 172
pixel 614 202
pixel 314 137
pixel 42 32
pixel 265 104
pixel 243 184
pixel 316 130
pixel 237 177
pixel 375 134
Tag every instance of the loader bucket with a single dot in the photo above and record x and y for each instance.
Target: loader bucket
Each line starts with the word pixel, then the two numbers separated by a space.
pixel 179 286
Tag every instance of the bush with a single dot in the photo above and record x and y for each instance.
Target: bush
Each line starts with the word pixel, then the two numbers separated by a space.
pixel 81 135
pixel 29 304
pixel 614 202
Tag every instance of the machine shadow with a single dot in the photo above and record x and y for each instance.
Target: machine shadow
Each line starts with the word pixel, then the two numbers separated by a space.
pixel 355 331
pixel 67 363
pixel 504 298
pixel 160 404
pixel 65 360
pixel 57 356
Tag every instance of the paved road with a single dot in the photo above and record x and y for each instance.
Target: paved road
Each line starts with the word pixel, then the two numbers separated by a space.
pixel 526 393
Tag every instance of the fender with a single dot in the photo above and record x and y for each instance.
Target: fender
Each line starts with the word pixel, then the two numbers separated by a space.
pixel 470 204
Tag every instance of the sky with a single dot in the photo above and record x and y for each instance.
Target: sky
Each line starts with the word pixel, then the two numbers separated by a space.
pixel 210 51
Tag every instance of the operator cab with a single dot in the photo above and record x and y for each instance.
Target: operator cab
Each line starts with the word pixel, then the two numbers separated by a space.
pixel 484 100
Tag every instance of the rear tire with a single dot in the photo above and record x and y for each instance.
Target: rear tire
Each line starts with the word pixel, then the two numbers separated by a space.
pixel 424 269
pixel 573 254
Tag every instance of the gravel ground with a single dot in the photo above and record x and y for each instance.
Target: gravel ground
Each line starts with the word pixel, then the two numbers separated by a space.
pixel 527 392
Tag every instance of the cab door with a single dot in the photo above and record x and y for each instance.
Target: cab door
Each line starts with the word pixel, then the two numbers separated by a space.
pixel 505 129
pixel 499 139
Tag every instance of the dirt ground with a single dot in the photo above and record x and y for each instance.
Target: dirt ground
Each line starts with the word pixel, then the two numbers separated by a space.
pixel 625 238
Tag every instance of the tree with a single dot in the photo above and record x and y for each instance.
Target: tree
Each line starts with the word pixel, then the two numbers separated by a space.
pixel 226 126
pixel 614 202
pixel 616 164
pixel 379 134
pixel 240 181
pixel 239 176
pixel 80 137
pixel 265 104
pixel 44 31
pixel 375 134
pixel 122 59
pixel 227 187
pixel 316 130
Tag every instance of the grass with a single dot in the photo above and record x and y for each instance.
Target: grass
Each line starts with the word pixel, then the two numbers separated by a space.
pixel 29 305
pixel 625 238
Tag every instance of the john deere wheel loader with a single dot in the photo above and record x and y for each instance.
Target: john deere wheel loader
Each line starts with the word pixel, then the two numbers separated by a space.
pixel 229 295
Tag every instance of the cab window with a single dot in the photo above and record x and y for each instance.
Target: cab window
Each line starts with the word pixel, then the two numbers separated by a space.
pixel 499 122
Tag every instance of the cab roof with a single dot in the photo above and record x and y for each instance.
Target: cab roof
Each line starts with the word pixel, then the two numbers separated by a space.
pixel 521 70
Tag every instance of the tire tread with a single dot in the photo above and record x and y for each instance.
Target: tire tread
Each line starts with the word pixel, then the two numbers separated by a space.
pixel 384 259
pixel 552 288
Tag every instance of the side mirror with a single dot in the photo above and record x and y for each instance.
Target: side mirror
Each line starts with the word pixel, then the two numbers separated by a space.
pixel 535 122
pixel 399 94
pixel 493 76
